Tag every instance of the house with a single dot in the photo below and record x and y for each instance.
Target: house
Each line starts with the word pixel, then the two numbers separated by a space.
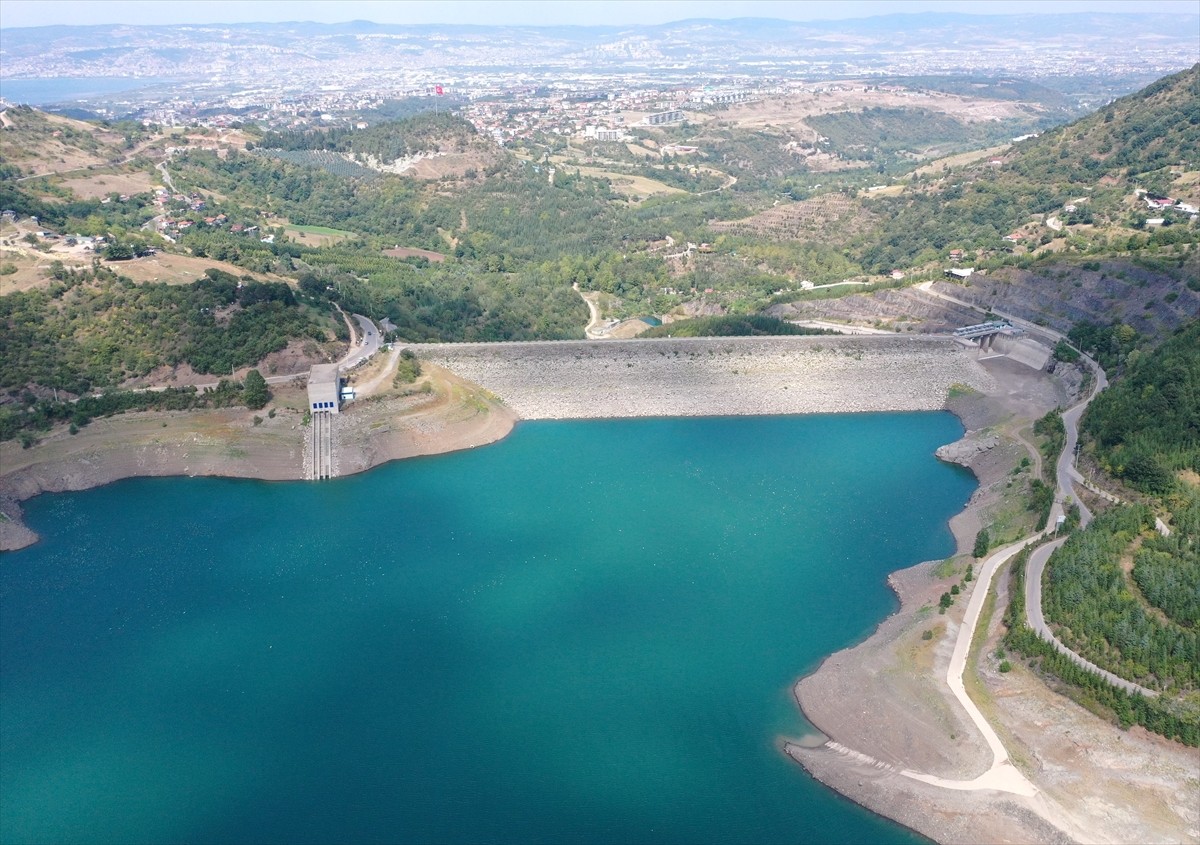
pixel 956 255
pixel 960 273
pixel 897 274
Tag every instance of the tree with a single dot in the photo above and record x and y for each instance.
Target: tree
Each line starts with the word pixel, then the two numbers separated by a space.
pixel 117 251
pixel 983 542
pixel 254 391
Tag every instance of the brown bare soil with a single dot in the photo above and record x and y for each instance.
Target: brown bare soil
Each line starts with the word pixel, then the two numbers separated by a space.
pixel 101 185
pixel 176 269
pixel 832 215
pixel 787 113
pixel 476 157
pixel 410 252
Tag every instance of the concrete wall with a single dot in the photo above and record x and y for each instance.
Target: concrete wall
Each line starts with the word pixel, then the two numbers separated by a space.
pixel 1023 350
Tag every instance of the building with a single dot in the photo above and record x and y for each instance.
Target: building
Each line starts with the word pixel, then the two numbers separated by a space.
pixel 324 389
pixel 663 117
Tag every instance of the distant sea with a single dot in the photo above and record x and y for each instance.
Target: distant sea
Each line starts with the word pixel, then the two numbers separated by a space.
pixel 585 633
pixel 46 92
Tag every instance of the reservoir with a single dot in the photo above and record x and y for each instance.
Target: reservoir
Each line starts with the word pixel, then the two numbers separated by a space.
pixel 66 89
pixel 585 633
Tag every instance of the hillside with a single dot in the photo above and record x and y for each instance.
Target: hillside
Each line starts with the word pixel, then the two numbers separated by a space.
pixel 427 145
pixel 326 210
pixel 1145 430
pixel 1084 175
pixel 93 329
pixel 36 143
pixel 1137 139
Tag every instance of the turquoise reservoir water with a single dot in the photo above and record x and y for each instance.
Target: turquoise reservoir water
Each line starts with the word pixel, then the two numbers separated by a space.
pixel 583 634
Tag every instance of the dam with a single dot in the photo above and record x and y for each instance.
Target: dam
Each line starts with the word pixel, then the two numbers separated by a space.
pixel 716 376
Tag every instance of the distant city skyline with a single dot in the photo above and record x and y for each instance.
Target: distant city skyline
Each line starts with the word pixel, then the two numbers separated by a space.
pixel 29 13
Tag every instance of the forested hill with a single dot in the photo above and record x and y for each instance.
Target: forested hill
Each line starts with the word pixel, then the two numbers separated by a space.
pixel 1146 427
pixel 1138 137
pixel 388 141
pixel 1142 141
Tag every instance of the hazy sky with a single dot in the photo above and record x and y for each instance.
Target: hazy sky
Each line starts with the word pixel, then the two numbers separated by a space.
pixel 21 13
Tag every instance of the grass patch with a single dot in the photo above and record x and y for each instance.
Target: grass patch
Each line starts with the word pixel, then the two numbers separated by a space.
pixel 945 569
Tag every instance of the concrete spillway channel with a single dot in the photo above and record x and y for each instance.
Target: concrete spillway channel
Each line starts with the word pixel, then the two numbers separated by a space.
pixel 321 447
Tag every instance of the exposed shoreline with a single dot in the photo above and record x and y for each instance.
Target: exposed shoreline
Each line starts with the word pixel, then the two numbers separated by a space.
pixel 228 443
pixel 882 705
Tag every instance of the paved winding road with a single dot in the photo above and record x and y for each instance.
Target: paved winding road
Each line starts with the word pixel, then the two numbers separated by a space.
pixel 363 344
pixel 1066 475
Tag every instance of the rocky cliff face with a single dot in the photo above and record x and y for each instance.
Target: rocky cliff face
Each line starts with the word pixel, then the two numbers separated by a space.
pixel 1057 295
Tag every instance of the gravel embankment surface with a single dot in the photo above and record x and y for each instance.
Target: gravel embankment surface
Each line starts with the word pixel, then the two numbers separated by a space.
pixel 715 376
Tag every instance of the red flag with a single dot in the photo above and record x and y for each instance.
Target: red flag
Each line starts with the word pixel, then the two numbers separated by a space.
pixel 437 89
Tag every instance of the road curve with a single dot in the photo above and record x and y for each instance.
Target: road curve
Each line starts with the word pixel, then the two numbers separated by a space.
pixel 364 346
pixel 1066 475
pixel 1002 774
pixel 1033 610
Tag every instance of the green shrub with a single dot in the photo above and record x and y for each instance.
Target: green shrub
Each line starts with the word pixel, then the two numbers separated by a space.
pixel 983 542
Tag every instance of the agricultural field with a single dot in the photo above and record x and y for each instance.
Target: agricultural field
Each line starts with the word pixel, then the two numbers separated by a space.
pixel 326 160
pixel 25 267
pixel 634 187
pixel 316 235
pixel 832 216
pixel 99 186
pixel 959 160
pixel 175 269
pixel 788 112
pixel 408 252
